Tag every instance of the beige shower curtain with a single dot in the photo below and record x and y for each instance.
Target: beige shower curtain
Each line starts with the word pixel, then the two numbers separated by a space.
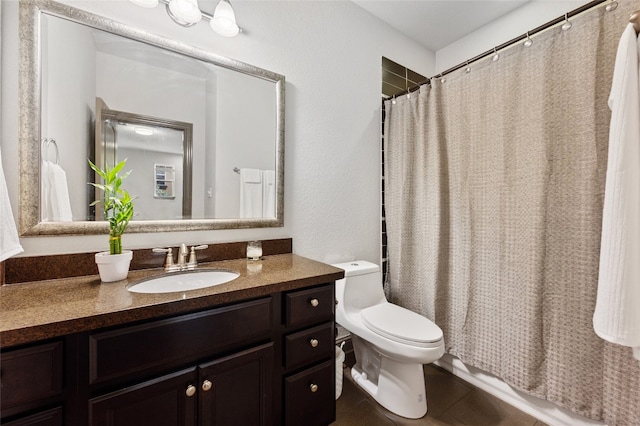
pixel 494 184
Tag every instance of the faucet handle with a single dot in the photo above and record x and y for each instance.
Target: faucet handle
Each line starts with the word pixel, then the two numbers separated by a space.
pixel 193 261
pixel 168 263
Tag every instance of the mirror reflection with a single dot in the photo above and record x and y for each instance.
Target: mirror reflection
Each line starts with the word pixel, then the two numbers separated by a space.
pixel 158 152
pixel 203 135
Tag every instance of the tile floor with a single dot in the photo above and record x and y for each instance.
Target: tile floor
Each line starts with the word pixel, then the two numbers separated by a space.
pixel 451 401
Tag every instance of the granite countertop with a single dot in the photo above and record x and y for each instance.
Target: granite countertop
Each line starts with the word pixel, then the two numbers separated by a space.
pixel 41 310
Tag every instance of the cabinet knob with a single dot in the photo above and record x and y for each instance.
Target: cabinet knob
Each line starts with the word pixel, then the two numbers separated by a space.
pixel 191 390
pixel 314 302
pixel 206 385
pixel 313 343
pixel 313 387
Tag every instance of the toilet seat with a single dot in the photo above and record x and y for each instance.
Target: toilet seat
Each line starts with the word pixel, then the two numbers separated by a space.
pixel 401 325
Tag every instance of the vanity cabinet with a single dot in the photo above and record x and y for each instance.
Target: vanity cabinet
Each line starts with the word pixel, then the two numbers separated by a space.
pixel 309 356
pixel 31 383
pixel 233 390
pixel 229 384
pixel 266 361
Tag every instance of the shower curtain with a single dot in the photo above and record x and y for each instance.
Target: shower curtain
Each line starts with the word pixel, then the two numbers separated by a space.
pixel 494 183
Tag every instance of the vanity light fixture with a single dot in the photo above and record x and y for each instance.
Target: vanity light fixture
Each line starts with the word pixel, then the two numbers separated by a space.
pixel 146 3
pixel 187 13
pixel 145 131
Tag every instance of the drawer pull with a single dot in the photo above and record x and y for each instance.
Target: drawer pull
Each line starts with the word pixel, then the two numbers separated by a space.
pixel 207 385
pixel 314 302
pixel 191 390
pixel 313 343
pixel 313 387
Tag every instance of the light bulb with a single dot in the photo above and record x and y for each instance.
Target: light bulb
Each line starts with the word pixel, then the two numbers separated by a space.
pixel 186 11
pixel 224 20
pixel 145 131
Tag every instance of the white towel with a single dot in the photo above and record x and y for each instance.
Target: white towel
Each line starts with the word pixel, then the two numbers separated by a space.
pixel 251 175
pixel 268 193
pixel 55 194
pixel 617 313
pixel 9 241
pixel 250 193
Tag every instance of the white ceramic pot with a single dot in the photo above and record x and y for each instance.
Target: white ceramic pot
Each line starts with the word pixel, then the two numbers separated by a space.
pixel 113 267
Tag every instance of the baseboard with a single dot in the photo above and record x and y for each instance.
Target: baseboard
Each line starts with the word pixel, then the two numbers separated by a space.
pixel 536 407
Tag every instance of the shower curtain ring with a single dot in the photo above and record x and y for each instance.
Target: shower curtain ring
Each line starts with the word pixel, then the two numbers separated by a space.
pixel 612 6
pixel 496 56
pixel 566 24
pixel 528 42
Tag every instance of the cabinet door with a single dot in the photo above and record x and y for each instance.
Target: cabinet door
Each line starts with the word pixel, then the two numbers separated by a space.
pixel 167 401
pixel 237 390
pixel 310 396
pixel 51 417
pixel 30 377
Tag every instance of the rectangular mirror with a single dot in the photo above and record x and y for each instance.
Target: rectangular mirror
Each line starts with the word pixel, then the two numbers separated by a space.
pixel 203 135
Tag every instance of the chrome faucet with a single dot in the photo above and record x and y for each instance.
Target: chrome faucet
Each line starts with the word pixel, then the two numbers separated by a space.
pixel 182 263
pixel 182 257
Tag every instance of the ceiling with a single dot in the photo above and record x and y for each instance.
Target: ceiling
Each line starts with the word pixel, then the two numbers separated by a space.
pixel 435 24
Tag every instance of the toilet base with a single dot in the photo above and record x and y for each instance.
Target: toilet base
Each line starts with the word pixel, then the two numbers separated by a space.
pixel 400 388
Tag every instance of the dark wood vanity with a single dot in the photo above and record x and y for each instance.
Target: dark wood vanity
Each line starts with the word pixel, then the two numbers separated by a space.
pixel 260 353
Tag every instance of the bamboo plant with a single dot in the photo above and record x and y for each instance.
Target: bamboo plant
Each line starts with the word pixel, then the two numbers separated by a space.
pixel 117 203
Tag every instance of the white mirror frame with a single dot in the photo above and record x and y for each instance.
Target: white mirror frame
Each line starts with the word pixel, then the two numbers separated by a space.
pixel 30 117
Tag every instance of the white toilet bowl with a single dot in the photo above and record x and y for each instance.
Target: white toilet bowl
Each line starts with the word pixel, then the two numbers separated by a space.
pixel 391 343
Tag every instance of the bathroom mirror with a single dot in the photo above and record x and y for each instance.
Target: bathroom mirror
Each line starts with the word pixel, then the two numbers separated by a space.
pixel 76 66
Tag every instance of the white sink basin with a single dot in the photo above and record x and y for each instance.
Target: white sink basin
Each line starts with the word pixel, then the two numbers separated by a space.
pixel 184 281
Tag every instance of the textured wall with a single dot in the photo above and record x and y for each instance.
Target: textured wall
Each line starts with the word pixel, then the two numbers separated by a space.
pixel 330 53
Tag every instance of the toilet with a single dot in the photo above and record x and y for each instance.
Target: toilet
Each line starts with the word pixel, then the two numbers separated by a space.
pixel 391 343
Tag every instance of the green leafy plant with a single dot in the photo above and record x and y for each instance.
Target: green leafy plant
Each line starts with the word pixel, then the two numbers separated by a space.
pixel 117 203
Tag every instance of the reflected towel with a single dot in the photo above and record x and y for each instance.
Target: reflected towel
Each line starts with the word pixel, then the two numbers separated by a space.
pixel 56 206
pixel 250 193
pixel 268 193
pixel 9 241
pixel 617 313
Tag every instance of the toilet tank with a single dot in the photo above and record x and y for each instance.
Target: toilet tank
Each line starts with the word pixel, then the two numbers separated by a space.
pixel 361 286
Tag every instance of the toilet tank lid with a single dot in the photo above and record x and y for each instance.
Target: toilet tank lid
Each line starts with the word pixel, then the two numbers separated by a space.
pixel 357 267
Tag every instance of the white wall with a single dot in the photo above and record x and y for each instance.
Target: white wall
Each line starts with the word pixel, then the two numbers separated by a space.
pixel 330 53
pixel 531 15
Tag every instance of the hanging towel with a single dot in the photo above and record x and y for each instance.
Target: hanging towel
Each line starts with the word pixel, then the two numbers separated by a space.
pixel 250 193
pixel 617 313
pixel 56 206
pixel 268 193
pixel 9 241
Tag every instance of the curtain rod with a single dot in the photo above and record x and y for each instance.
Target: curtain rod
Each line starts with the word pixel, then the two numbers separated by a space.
pixel 513 41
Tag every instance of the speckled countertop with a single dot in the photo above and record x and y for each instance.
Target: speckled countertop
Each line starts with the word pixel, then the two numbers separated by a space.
pixel 41 310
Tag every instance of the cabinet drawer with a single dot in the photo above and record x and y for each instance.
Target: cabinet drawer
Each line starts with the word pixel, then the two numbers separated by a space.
pixel 310 345
pixel 161 345
pixel 30 374
pixel 305 307
pixel 310 396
